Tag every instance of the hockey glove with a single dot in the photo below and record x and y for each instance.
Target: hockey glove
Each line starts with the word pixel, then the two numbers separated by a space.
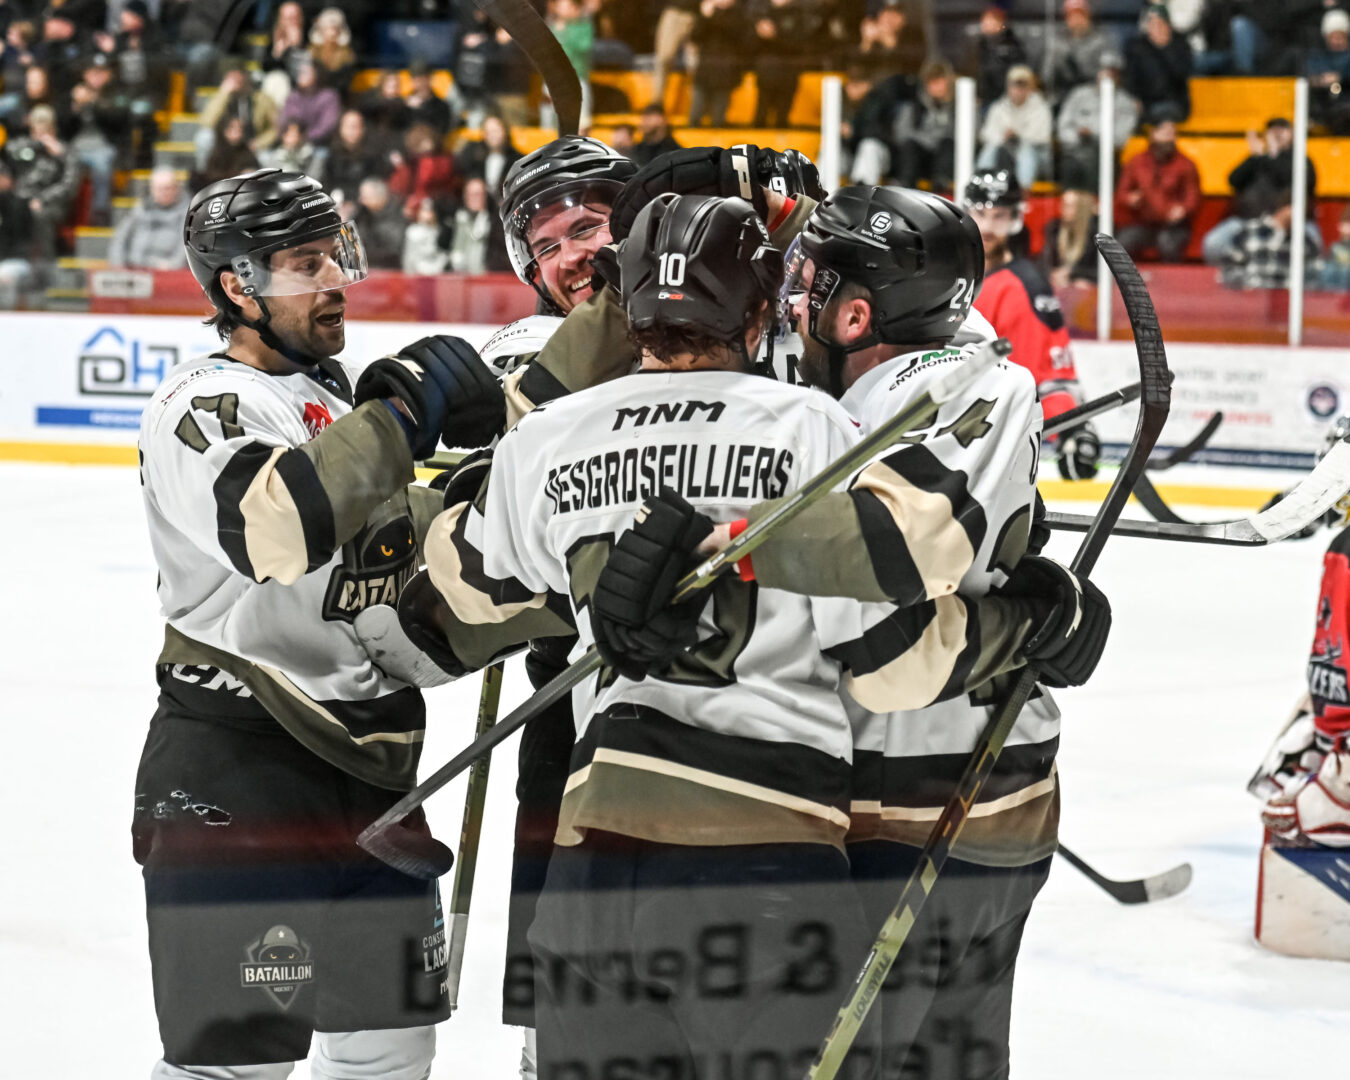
pixel 1040 532
pixel 463 483
pixel 1080 452
pixel 448 390
pixel 1071 620
pixel 1315 812
pixel 695 170
pixel 636 628
pixel 605 266
pixel 1296 755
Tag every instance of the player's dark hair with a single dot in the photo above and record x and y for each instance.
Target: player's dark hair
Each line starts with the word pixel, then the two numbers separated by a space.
pixel 227 317
pixel 665 341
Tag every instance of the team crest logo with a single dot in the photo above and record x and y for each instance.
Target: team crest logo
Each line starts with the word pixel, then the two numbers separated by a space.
pixel 1323 401
pixel 1326 676
pixel 279 964
pixel 376 563
pixel 880 222
pixel 316 418
pixel 216 208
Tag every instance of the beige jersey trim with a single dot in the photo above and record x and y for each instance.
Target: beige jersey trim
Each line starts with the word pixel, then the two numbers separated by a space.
pixel 981 809
pixel 405 737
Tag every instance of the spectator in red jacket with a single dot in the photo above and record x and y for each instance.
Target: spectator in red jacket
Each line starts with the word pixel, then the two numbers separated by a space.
pixel 1157 197
pixel 423 170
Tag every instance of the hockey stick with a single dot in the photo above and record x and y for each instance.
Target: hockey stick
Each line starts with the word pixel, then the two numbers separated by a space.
pixel 1317 493
pixel 1080 414
pixel 1156 398
pixel 528 29
pixel 1139 891
pixel 1154 503
pixel 1159 462
pixel 413 854
pixel 461 893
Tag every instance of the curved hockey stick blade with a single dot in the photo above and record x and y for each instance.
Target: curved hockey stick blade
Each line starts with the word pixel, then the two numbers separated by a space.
pixel 1154 503
pixel 414 851
pixel 1184 453
pixel 528 29
pixel 1139 891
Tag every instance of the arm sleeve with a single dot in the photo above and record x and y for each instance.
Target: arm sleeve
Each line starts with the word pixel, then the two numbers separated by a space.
pixel 233 471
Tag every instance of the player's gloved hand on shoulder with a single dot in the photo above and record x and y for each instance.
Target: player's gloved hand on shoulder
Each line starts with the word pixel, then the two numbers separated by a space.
pixel 1073 619
pixel 1080 453
pixel 693 170
pixel 636 628
pixel 447 389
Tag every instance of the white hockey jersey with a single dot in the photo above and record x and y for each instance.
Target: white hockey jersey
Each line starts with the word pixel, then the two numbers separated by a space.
pixel 747 740
pixel 982 453
pixel 273 526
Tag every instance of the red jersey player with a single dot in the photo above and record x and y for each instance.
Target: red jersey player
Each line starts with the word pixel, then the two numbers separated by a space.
pixel 1023 308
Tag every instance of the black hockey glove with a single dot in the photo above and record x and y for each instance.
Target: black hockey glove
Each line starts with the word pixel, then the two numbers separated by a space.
pixel 694 170
pixel 1071 622
pixel 422 611
pixel 1080 452
pixel 463 482
pixel 636 628
pixel 447 388
pixel 1040 531
pixel 605 266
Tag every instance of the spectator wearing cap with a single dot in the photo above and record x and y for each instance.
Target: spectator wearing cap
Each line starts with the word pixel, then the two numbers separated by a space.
pixel 995 52
pixel 425 106
pixel 656 137
pixel 96 126
pixel 1328 70
pixel 237 96
pixel 330 47
pixel 46 174
pixel 1157 197
pixel 16 241
pixel 1258 184
pixel 151 235
pixel 1079 125
pixel 1259 254
pixel 1158 67
pixel 488 158
pixel 1073 54
pixel 316 107
pixel 1017 129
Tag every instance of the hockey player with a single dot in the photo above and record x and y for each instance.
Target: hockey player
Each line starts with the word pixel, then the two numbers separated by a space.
pixel 289 717
pixel 882 281
pixel 1022 306
pixel 1308 780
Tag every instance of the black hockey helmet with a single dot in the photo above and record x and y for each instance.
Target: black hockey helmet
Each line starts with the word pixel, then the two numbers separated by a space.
pixel 993 187
pixel 918 255
pixel 699 262
pixel 235 224
pixel 790 172
pixel 569 171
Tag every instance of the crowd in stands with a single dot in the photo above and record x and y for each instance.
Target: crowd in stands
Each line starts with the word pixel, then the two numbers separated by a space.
pixel 87 92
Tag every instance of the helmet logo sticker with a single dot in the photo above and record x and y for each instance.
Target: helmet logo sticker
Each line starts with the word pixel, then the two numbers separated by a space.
pixel 216 208
pixel 880 222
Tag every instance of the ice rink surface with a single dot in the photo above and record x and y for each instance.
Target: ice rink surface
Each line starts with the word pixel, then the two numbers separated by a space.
pixel 1205 661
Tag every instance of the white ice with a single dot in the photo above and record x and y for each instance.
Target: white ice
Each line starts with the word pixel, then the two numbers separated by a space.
pixel 1205 661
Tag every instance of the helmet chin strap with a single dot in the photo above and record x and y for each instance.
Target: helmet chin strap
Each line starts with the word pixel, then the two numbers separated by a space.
pixel 263 328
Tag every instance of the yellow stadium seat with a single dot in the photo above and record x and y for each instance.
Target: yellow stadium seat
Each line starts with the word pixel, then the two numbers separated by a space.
pixel 442 82
pixel 1220 105
pixel 1216 156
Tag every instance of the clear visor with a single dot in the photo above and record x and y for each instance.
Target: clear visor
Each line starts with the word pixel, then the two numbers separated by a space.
pixel 540 228
pixel 806 290
pixel 320 265
pixel 999 221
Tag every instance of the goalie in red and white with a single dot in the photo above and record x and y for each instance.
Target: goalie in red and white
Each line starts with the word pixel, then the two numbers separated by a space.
pixel 1306 777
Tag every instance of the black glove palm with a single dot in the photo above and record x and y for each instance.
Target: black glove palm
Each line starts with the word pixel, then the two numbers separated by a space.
pixel 636 628
pixel 695 170
pixel 1073 619
pixel 1080 452
pixel 447 388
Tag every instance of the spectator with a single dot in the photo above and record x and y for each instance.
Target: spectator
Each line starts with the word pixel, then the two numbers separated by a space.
pixel 36 91
pixel 575 30
pixel 45 175
pixel 1069 255
pixel 191 26
pixel 511 76
pixel 61 50
pixel 1231 41
pixel 491 73
pixel 623 138
pixel 1158 67
pixel 237 97
pixel 923 136
pixel 380 222
pixel 785 33
pixel 352 158
pixel 96 128
pixel 282 62
pixel 1258 184
pixel 477 242
pixel 997 50
pixel 423 170
pixel 295 153
pixel 889 43
pixel 330 47
pixel 16 242
pixel 722 45
pixel 1328 69
pixel 1336 268
pixel 1157 197
pixel 422 250
pixel 425 106
pixel 656 137
pixel 151 236
pixel 17 55
pixel 1073 55
pixel 1017 129
pixel 386 114
pixel 230 153
pixel 673 30
pixel 1079 125
pixel 489 158
pixel 1258 255
pixel 316 107
pixel 142 73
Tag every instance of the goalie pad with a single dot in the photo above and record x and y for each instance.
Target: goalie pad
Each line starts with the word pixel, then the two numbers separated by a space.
pixel 1303 901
